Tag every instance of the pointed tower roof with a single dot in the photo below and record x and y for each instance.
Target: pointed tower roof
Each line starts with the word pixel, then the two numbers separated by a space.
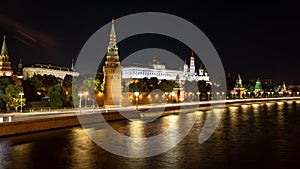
pixel 72 65
pixel 4 51
pixel 185 62
pixel 201 66
pixel 239 77
pixel 192 54
pixel 112 32
pixel 112 47
pixel 238 83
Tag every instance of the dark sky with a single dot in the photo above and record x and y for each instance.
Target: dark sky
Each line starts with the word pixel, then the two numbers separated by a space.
pixel 255 40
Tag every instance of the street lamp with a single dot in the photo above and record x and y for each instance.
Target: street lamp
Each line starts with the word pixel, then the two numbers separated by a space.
pixel 136 99
pixel 85 99
pixel 167 94
pixel 272 94
pixel 198 94
pixel 208 93
pixel 261 93
pixel 21 94
pixel 249 93
pixel 80 96
pixel 217 94
pixel 223 94
pixel 172 95
pixel 93 106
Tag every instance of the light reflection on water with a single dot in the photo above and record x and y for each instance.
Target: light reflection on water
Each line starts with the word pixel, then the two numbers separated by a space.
pixel 256 135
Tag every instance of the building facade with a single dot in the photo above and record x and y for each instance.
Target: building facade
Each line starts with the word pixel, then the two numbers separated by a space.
pixel 159 71
pixel 42 69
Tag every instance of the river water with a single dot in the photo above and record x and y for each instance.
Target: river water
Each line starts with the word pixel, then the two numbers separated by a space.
pixel 256 135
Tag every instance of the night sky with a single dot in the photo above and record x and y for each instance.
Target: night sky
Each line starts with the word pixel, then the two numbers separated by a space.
pixel 255 40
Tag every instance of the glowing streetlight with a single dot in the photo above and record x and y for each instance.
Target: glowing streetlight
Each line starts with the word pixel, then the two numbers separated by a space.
pixel 172 95
pixel 249 93
pixel 261 93
pixel 136 94
pixel 21 94
pixel 166 94
pixel 198 94
pixel 217 94
pixel 85 98
pixel 208 93
pixel 80 96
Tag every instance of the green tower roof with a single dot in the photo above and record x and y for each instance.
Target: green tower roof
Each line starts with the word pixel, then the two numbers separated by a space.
pixel 112 47
pixel 257 84
pixel 4 51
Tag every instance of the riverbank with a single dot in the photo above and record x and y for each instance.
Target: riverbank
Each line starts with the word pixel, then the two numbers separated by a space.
pixel 17 123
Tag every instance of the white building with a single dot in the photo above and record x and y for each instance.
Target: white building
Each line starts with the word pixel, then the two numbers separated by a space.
pixel 40 69
pixel 161 72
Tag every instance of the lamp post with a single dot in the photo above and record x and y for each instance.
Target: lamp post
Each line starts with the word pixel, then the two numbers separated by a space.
pixel 232 95
pixel 249 93
pixel 21 94
pixel 172 95
pixel 93 106
pixel 136 99
pixel 198 94
pixel 217 94
pixel 80 96
pixel 223 94
pixel 272 94
pixel 261 93
pixel 166 94
pixel 85 98
pixel 208 93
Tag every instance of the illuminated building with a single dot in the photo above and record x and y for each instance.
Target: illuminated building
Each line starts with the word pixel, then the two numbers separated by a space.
pixel 159 71
pixel 112 73
pixel 257 87
pixel 5 64
pixel 238 89
pixel 42 69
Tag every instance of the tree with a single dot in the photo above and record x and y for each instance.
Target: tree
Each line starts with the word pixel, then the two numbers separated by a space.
pixel 57 96
pixel 12 95
pixel 31 86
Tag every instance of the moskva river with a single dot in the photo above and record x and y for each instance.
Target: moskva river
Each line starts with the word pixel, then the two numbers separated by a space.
pixel 249 136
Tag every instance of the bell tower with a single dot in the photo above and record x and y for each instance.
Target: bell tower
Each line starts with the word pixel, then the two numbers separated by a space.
pixel 112 71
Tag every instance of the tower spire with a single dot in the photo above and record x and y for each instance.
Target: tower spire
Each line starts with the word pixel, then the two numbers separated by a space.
pixel 4 51
pixel 112 47
pixel 112 32
pixel 72 65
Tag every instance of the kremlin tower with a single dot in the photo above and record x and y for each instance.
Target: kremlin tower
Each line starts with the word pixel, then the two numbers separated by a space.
pixel 5 64
pixel 112 73
pixel 192 64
